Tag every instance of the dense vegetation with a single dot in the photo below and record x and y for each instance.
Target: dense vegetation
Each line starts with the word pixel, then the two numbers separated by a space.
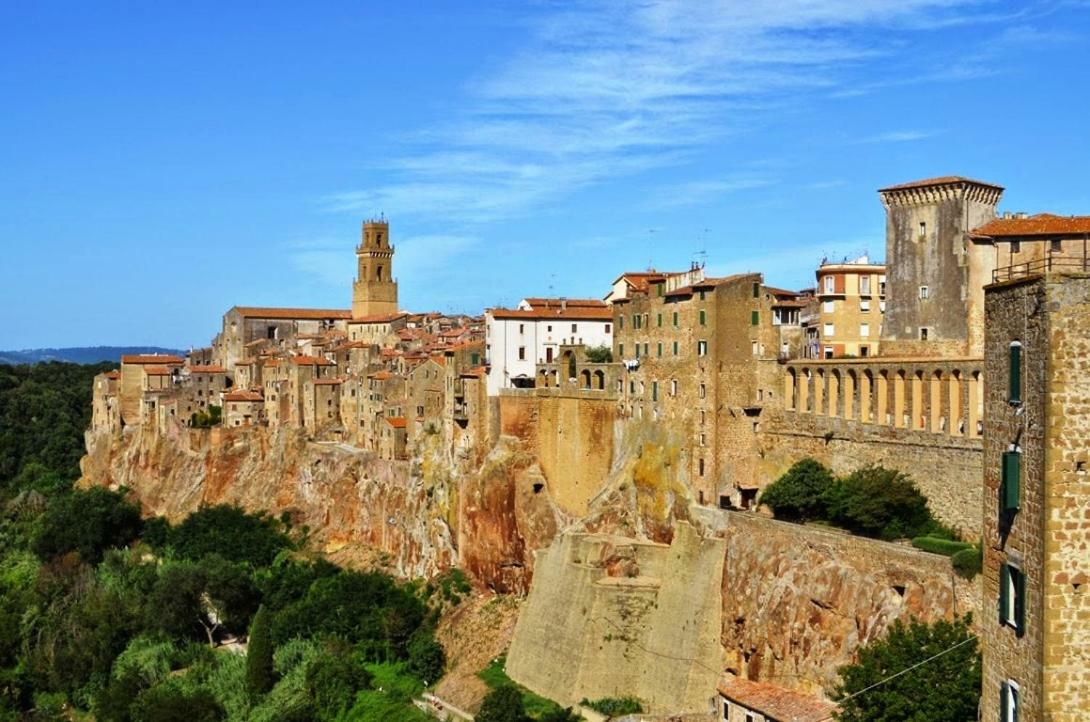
pixel 945 687
pixel 135 620
pixel 511 702
pixel 872 501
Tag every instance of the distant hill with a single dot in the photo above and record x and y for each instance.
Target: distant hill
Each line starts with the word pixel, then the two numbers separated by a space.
pixel 79 354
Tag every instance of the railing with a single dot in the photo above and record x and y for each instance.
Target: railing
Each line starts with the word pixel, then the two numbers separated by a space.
pixel 1049 264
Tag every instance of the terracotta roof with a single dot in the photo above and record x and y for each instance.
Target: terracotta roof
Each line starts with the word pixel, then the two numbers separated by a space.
pixel 389 352
pixel 271 361
pixel 1042 224
pixel 639 279
pixel 328 382
pixel 398 422
pixel 154 370
pixel 380 375
pixel 243 395
pixel 114 375
pixel 310 361
pixel 602 313
pixel 152 358
pixel 292 313
pixel 454 332
pixel 774 701
pixel 248 361
pixel 780 291
pixel 379 317
pixel 209 369
pixel 475 371
pixel 569 302
pixel 349 345
pixel 940 181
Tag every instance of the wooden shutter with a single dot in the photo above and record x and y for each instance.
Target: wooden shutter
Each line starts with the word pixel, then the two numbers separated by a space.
pixel 755 318
pixel 1019 601
pixel 1004 699
pixel 1010 488
pixel 1014 377
pixel 1004 591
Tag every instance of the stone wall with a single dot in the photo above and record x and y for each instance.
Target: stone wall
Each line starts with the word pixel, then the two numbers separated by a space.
pixel 571 434
pixel 798 601
pixel 947 469
pixel 610 616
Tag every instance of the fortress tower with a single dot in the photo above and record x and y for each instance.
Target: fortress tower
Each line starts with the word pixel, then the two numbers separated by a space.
pixel 374 292
pixel 936 268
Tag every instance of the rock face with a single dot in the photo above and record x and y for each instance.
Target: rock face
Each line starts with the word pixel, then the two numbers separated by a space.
pixel 402 515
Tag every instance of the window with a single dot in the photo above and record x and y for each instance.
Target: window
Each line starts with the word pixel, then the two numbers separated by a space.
pixel 700 467
pixel 659 349
pixel 864 330
pixel 703 319
pixel 645 350
pixel 828 352
pixel 654 390
pixel 658 288
pixel 637 350
pixel 1056 245
pixel 829 284
pixel 881 285
pixel 608 327
pixel 864 305
pixel 522 353
pixel 827 330
pixel 1012 598
pixel 574 327
pixel 925 292
pixel 701 348
pixel 828 306
pixel 754 348
pixel 864 285
pixel 1009 705
pixel 924 333
pixel 620 322
pixel 673 387
pixel 754 318
pixel 675 319
pixel 522 328
pixel 620 350
pixel 1016 246
pixel 675 348
pixel 703 390
pixel 548 354
pixel 882 306
pixel 756 290
pixel 1011 480
pixel 923 229
pixel 1014 374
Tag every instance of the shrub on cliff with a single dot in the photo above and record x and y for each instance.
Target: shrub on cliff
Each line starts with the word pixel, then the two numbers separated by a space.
pixel 615 706
pixel 503 704
pixel 230 532
pixel 798 495
pixel 426 657
pixel 945 687
pixel 88 522
pixel 878 502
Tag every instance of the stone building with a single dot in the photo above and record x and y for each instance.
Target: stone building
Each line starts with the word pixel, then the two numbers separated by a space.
pixel 702 357
pixel 134 380
pixel 105 409
pixel 518 339
pixel 850 300
pixel 744 700
pixel 242 407
pixel 374 292
pixel 937 267
pixel 1036 640
pixel 245 325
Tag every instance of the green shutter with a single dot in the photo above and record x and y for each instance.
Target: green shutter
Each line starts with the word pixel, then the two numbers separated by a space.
pixel 654 390
pixel 1016 706
pixel 1004 712
pixel 1010 488
pixel 620 350
pixel 702 317
pixel 660 320
pixel 675 348
pixel 675 319
pixel 1004 586
pixel 475 358
pixel 1014 379
pixel 755 318
pixel 1019 601
pixel 660 349
pixel 756 290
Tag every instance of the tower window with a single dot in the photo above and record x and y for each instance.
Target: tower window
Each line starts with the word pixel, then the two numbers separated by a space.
pixel 925 292
pixel 1012 598
pixel 1014 374
pixel 924 333
pixel 1009 705
pixel 923 229
pixel 378 273
pixel 1011 480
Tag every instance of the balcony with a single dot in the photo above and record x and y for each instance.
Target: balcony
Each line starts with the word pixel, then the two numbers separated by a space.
pixel 1040 266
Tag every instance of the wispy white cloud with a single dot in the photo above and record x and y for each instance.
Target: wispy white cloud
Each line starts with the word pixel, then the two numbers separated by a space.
pixel 606 89
pixel 899 136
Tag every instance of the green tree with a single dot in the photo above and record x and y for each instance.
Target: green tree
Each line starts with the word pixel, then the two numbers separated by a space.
pixel 878 502
pixel 945 687
pixel 503 704
pixel 260 676
pixel 170 702
pixel 599 354
pixel 88 522
pixel 798 495
pixel 426 657
pixel 230 532
pixel 333 679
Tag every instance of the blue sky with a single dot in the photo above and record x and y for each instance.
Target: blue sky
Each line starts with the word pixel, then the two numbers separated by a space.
pixel 161 162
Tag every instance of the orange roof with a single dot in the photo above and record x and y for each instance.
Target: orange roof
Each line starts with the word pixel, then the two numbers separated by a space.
pixel 115 374
pixel 379 318
pixel 600 313
pixel 1042 224
pixel 210 369
pixel 152 358
pixel 380 375
pixel 157 370
pixel 398 422
pixel 475 371
pixel 639 280
pixel 454 332
pixel 774 701
pixel 310 361
pixel 389 352
pixel 328 382
pixel 248 361
pixel 568 302
pixel 940 181
pixel 243 395
pixel 292 313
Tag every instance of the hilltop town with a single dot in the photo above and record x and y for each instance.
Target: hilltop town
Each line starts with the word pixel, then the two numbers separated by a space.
pixel 610 453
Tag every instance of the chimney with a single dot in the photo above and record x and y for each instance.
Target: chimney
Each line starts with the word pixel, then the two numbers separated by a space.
pixel 563 304
pixel 1021 215
pixel 1007 215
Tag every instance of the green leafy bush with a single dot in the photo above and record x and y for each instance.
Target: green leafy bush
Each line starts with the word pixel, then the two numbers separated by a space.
pixel 968 562
pixel 174 703
pixel 88 522
pixel 599 354
pixel 229 532
pixel 503 704
pixel 946 547
pixel 426 656
pixel 614 706
pixel 878 502
pixel 260 676
pixel 798 495
pixel 945 689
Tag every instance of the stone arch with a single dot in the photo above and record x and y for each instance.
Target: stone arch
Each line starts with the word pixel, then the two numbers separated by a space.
pixel 600 379
pixel 584 376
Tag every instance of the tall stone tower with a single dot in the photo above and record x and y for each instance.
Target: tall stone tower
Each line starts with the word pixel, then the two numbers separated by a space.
pixel 375 290
pixel 937 269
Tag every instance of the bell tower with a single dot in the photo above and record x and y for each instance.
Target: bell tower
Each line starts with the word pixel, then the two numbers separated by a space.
pixel 375 290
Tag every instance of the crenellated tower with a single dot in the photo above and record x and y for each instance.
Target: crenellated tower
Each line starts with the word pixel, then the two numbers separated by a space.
pixel 374 292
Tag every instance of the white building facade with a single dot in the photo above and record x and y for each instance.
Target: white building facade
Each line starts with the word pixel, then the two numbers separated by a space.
pixel 517 339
